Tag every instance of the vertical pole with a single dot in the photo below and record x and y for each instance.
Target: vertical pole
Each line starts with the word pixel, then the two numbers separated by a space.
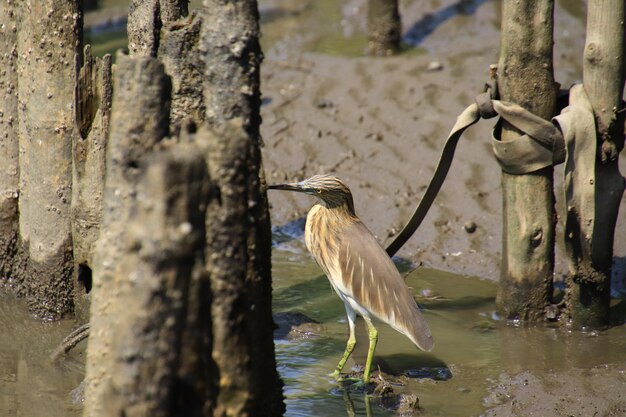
pixel 139 120
pixel 230 41
pixel 93 105
pixel 9 171
pixel 525 77
pixel 49 39
pixel 384 27
pixel 588 292
pixel 163 241
pixel 145 20
pixel 179 51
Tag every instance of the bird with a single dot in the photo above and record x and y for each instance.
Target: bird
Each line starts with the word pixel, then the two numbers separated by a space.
pixel 358 268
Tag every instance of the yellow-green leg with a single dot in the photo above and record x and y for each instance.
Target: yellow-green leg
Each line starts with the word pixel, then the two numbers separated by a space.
pixel 373 336
pixel 351 342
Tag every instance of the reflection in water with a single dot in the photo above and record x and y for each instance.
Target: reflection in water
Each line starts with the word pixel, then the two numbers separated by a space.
pixel 350 409
pixel 472 349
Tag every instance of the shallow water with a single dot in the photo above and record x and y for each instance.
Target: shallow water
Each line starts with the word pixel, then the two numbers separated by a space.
pixel 30 384
pixel 472 348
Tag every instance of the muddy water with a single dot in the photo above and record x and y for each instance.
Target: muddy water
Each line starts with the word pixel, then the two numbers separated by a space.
pixel 472 347
pixel 30 384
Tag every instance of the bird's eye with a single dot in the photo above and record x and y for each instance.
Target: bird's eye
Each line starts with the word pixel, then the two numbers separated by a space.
pixel 318 190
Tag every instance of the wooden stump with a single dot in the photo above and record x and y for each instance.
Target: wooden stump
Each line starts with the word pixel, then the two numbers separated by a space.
pixel 48 42
pixel 525 77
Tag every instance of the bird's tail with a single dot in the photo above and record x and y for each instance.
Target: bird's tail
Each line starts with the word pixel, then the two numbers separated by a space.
pixel 408 320
pixel 418 331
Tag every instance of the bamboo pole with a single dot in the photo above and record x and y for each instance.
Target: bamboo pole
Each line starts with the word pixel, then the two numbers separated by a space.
pixel 588 291
pixel 525 77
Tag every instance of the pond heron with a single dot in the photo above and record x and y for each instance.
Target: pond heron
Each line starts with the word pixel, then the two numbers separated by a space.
pixel 358 268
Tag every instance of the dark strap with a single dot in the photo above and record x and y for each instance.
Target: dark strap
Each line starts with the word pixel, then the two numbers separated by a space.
pixel 542 145
pixel 469 116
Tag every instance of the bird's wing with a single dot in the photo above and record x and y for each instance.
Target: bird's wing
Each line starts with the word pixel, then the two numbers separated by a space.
pixel 372 280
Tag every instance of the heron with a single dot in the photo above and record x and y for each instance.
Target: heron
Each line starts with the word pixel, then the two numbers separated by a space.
pixel 358 268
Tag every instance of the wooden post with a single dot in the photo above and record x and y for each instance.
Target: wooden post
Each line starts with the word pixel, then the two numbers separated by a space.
pixel 230 41
pixel 93 105
pixel 139 120
pixel 525 77
pixel 48 42
pixel 9 171
pixel 163 243
pixel 179 51
pixel 145 20
pixel 588 293
pixel 384 27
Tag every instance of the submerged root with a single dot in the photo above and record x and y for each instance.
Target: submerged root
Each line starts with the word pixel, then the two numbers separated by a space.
pixel 70 341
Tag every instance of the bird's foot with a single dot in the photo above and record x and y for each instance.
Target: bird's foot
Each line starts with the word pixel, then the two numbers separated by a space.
pixel 344 379
pixel 352 382
pixel 357 385
pixel 348 380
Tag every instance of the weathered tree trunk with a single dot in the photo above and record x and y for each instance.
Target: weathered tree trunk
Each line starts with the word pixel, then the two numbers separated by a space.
pixel 230 41
pixel 589 282
pixel 9 145
pixel 93 105
pixel 145 20
pixel 48 40
pixel 163 241
pixel 525 77
pixel 225 364
pixel 179 52
pixel 139 120
pixel 384 27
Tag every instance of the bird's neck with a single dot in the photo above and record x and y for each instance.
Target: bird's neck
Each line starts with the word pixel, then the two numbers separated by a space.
pixel 331 219
pixel 344 209
pixel 344 206
pixel 324 228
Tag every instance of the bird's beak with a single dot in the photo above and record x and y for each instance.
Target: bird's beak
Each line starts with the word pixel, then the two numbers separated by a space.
pixel 287 187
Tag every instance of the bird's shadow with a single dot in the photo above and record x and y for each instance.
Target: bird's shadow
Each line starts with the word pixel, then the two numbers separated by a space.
pixel 426 366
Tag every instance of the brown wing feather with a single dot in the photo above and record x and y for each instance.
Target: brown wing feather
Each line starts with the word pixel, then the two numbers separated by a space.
pixel 375 283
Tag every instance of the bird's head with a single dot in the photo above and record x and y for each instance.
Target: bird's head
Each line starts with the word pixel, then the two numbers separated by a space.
pixel 330 190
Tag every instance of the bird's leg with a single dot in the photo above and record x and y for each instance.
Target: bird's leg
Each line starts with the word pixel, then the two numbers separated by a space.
pixel 346 355
pixel 373 336
pixel 351 342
